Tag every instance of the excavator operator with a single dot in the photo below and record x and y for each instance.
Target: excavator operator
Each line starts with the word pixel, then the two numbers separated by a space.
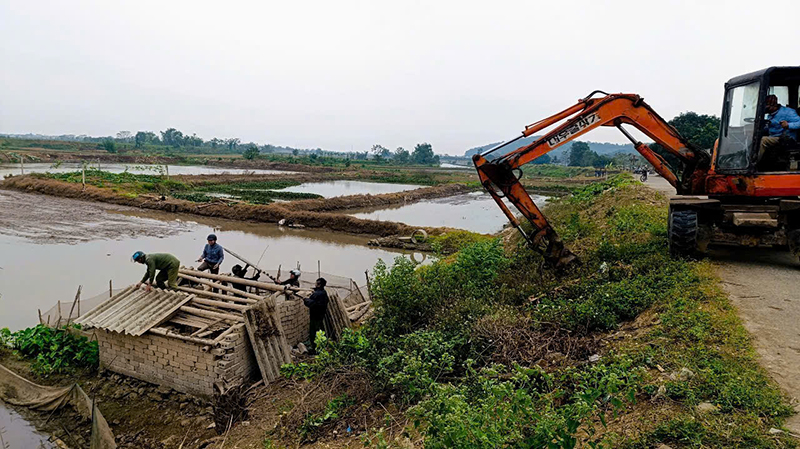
pixel 782 124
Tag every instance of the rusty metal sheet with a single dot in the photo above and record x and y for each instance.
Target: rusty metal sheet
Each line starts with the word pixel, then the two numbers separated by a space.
pixel 133 311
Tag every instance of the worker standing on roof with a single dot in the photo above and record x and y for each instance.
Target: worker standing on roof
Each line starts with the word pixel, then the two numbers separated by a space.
pixel 294 279
pixel 167 266
pixel 212 257
pixel 317 305
pixel 241 273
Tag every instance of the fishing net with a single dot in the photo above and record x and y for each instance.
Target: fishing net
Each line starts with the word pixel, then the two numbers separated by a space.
pixel 17 390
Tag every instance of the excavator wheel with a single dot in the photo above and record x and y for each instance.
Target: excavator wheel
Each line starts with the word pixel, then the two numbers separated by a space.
pixel 683 232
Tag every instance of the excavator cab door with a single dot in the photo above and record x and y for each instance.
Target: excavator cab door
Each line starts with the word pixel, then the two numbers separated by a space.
pixel 745 123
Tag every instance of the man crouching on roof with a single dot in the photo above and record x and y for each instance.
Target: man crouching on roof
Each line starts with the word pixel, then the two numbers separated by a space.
pixel 167 266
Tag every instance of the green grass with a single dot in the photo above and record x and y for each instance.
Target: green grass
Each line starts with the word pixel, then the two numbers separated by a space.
pixel 462 343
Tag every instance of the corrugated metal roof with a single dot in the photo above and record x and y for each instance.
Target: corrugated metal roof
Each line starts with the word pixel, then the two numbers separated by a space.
pixel 134 311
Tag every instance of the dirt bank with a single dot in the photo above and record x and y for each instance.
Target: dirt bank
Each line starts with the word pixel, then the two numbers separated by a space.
pixel 271 213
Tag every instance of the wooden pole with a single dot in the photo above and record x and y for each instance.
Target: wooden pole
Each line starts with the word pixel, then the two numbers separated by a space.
pixel 210 314
pixel 83 176
pixel 244 260
pixel 41 321
pixel 233 279
pixel 226 288
pixel 369 286
pixel 110 289
pixel 22 163
pixel 220 304
pixel 77 299
pixel 167 333
pixel 58 323
pixel 216 295
pixel 319 270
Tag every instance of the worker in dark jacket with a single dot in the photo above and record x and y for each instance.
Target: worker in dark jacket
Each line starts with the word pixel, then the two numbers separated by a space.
pixel 212 257
pixel 167 266
pixel 241 273
pixel 294 279
pixel 317 305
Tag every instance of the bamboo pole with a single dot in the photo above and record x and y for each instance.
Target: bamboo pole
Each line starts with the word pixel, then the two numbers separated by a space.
pixel 220 304
pixel 244 260
pixel 210 314
pixel 228 332
pixel 75 301
pixel 216 295
pixel 219 286
pixel 166 333
pixel 110 289
pixel 248 282
pixel 41 321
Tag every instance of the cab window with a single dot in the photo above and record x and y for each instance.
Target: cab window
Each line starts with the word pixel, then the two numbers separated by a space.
pixel 738 128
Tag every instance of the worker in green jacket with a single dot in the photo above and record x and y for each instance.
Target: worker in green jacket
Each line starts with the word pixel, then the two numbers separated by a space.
pixel 167 266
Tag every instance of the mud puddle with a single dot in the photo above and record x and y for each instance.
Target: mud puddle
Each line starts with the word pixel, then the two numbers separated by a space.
pixel 14 169
pixel 49 246
pixel 475 212
pixel 330 189
pixel 17 432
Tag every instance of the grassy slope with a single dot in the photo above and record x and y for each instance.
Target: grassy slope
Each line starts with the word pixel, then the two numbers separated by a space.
pixel 483 349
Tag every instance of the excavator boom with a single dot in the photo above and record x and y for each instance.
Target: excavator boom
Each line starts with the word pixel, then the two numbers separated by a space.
pixel 500 176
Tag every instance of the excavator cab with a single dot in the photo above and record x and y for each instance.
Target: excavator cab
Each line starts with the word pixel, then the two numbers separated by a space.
pixel 745 119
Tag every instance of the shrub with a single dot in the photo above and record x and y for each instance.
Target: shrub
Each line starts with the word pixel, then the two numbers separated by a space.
pixel 55 350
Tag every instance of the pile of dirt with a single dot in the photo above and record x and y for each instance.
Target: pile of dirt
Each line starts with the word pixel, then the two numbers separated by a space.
pixel 271 213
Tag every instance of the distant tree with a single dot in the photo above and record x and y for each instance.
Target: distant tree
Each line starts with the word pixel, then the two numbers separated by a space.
pixel 555 160
pixel 215 142
pixel 145 138
pixel 379 150
pixel 251 152
pixel 578 153
pixel 423 155
pixel 543 159
pixel 109 146
pixel 295 152
pixel 700 130
pixel 401 156
pixel 124 136
pixel 193 141
pixel 172 137
pixel 232 143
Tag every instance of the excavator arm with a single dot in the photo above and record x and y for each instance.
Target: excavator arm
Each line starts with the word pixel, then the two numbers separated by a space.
pixel 501 176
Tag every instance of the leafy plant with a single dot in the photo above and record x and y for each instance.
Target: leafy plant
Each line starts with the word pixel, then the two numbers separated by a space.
pixel 55 350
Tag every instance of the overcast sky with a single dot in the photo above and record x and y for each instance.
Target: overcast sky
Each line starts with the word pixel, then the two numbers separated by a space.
pixel 347 74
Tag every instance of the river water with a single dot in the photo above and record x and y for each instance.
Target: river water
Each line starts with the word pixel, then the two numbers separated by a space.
pixel 48 250
pixel 329 189
pixel 17 433
pixel 15 169
pixel 474 211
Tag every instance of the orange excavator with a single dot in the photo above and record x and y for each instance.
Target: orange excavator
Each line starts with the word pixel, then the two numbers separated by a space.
pixel 744 198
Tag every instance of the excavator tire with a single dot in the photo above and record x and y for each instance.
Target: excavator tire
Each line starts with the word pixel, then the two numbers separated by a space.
pixel 683 233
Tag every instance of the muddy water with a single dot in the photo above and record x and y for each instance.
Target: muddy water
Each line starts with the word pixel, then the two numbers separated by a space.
pixel 49 246
pixel 14 169
pixel 17 433
pixel 329 189
pixel 475 212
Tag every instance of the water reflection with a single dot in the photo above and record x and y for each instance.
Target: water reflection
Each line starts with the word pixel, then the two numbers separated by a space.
pixel 475 212
pixel 329 189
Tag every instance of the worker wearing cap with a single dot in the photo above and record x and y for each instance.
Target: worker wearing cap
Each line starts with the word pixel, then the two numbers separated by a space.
pixel 317 305
pixel 212 257
pixel 167 266
pixel 294 279
pixel 782 122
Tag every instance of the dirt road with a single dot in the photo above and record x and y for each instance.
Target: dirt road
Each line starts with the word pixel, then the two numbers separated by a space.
pixel 764 284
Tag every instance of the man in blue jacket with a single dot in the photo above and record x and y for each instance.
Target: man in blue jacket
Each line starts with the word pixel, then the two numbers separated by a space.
pixel 212 257
pixel 782 123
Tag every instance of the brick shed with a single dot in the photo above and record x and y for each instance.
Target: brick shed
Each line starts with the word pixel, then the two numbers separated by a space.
pixel 196 340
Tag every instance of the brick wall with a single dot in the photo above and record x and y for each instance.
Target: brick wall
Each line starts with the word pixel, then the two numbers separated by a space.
pixel 294 319
pixel 184 366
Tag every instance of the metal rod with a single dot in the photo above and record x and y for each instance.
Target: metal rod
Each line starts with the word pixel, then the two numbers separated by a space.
pixel 628 135
pixel 503 144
